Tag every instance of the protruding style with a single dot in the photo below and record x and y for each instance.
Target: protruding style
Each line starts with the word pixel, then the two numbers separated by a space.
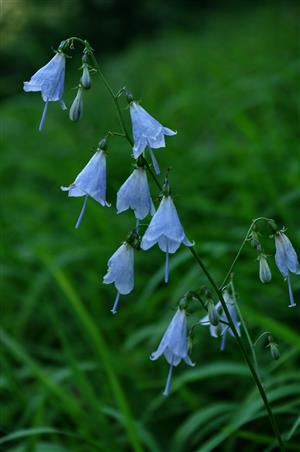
pixel 121 272
pixel 49 80
pixel 166 230
pixel 174 345
pixel 91 181
pixel 286 260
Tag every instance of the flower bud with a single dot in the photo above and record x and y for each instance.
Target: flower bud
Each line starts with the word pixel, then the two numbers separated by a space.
pixel 265 274
pixel 76 109
pixel 85 78
pixel 273 348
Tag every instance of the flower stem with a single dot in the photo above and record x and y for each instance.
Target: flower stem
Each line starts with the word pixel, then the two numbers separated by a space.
pixel 248 337
pixel 242 247
pixel 243 351
pixel 206 272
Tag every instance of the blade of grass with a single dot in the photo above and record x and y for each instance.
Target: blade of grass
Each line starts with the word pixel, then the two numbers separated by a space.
pixel 99 345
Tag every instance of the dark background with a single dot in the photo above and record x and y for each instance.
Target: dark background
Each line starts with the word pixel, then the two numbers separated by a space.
pixel 225 75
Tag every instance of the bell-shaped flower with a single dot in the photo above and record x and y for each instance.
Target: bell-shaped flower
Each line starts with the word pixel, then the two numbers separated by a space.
pixel 121 272
pixel 166 230
pixel 91 181
pixel 135 194
pixel 147 131
pixel 49 80
pixel 286 260
pixel 174 345
pixel 223 328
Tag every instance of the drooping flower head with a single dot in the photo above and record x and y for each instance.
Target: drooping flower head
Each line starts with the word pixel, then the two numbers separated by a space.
pixel 166 230
pixel 286 260
pixel 121 272
pixel 222 329
pixel 135 194
pixel 91 181
pixel 49 80
pixel 174 345
pixel 147 131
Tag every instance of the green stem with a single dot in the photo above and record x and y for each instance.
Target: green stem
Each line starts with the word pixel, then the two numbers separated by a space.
pixel 241 248
pixel 247 334
pixel 260 337
pixel 243 350
pixel 205 271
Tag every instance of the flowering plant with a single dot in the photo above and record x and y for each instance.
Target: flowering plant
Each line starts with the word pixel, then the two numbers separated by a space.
pixel 223 315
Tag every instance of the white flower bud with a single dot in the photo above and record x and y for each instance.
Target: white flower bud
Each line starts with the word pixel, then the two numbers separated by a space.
pixel 76 109
pixel 265 274
pixel 85 78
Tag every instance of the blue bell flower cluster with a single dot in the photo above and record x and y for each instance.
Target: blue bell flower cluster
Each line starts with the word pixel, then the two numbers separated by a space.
pixel 164 227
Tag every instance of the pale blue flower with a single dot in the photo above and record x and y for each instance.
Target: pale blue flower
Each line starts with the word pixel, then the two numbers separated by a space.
pixel 166 230
pixel 286 260
pixel 147 131
pixel 121 272
pixel 223 329
pixel 49 80
pixel 135 194
pixel 91 181
pixel 174 345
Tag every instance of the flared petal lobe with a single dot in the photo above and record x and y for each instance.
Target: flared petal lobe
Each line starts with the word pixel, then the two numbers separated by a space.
pixel 146 130
pixel 135 194
pixel 49 80
pixel 174 344
pixel 91 180
pixel 165 229
pixel 121 269
pixel 285 257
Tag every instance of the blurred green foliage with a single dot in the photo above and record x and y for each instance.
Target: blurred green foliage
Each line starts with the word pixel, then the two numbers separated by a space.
pixel 74 378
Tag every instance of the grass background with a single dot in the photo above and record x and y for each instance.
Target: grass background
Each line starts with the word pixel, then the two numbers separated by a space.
pixel 75 378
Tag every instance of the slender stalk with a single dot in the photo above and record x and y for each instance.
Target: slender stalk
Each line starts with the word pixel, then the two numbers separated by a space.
pixel 243 351
pixel 247 334
pixel 260 337
pixel 241 248
pixel 206 272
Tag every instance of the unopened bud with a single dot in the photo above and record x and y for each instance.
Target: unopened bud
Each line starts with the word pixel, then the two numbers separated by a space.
pixel 76 109
pixel 85 78
pixel 273 348
pixel 265 274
